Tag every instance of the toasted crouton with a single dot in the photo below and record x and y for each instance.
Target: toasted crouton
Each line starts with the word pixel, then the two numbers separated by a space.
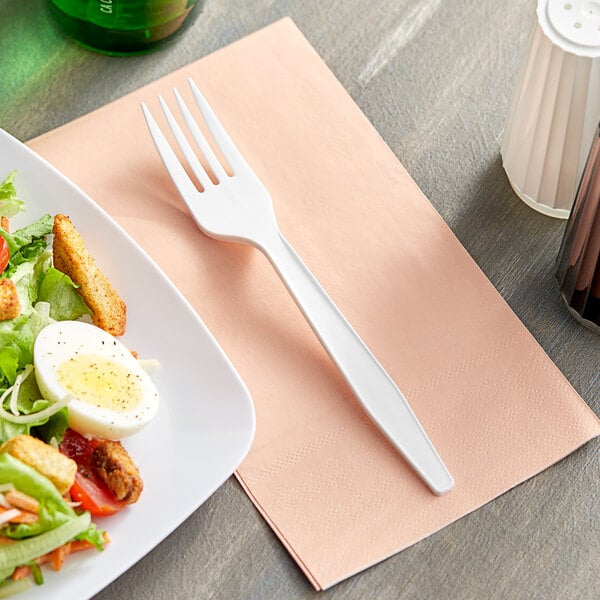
pixel 45 459
pixel 10 308
pixel 112 463
pixel 72 258
pixel 4 223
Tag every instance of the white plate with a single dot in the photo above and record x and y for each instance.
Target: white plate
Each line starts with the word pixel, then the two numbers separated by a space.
pixel 205 423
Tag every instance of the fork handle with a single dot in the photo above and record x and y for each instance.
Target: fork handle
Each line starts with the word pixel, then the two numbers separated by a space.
pixel 374 388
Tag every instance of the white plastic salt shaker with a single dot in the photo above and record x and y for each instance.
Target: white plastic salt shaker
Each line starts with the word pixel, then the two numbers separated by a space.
pixel 556 106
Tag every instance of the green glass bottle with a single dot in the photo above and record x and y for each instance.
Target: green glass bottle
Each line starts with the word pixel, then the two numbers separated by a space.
pixel 124 27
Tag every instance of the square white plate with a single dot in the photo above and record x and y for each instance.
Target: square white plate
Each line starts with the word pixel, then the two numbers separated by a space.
pixel 206 420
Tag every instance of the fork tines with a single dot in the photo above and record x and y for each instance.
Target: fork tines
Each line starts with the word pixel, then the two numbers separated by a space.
pixel 217 131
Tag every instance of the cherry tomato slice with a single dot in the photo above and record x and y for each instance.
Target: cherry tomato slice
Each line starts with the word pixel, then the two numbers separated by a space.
pixel 77 447
pixel 88 489
pixel 4 254
pixel 93 496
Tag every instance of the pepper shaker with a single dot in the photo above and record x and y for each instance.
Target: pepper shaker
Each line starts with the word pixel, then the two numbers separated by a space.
pixel 578 262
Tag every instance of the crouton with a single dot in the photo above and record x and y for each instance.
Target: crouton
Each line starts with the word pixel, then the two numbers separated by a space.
pixel 4 223
pixel 112 463
pixel 10 307
pixel 45 459
pixel 72 258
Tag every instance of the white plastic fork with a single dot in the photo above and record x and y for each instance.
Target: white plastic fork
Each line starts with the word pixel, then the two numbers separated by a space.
pixel 238 208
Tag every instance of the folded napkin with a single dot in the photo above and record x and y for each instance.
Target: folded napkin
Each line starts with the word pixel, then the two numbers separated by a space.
pixel 330 485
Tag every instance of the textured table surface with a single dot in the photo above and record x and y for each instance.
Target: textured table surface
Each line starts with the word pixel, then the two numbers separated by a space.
pixel 436 80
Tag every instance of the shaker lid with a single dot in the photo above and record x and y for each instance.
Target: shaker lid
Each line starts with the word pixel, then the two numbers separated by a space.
pixel 573 25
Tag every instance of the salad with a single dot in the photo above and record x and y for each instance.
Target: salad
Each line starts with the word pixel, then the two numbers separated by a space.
pixel 69 392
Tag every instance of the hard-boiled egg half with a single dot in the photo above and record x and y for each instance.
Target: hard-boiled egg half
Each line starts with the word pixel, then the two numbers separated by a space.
pixel 111 395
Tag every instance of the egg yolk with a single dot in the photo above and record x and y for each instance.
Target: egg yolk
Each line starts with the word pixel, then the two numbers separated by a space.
pixel 101 382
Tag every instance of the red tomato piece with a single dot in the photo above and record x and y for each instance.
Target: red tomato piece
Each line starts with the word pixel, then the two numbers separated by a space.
pixel 78 447
pixel 94 496
pixel 88 489
pixel 4 254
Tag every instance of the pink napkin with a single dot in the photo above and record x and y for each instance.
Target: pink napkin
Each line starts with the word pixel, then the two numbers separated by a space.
pixel 332 488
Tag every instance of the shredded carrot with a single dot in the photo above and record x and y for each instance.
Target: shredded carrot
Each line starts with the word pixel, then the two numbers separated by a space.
pixel 21 573
pixel 79 545
pixel 20 500
pixel 6 540
pixel 23 516
pixel 56 558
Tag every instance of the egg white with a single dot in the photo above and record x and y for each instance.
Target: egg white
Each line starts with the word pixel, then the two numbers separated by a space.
pixel 63 341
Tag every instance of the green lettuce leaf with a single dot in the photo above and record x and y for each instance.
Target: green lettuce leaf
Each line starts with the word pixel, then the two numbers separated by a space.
pixel 54 511
pixel 16 341
pixel 8 587
pixel 10 205
pixel 23 237
pixel 9 361
pixel 30 401
pixel 28 276
pixel 27 243
pixel 49 429
pixel 54 428
pixel 60 292
pixel 93 535
pixel 9 430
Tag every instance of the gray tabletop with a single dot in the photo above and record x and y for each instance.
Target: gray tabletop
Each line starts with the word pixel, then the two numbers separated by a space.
pixel 439 95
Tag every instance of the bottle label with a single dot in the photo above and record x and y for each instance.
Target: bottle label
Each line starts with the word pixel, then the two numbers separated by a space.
pixel 106 6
